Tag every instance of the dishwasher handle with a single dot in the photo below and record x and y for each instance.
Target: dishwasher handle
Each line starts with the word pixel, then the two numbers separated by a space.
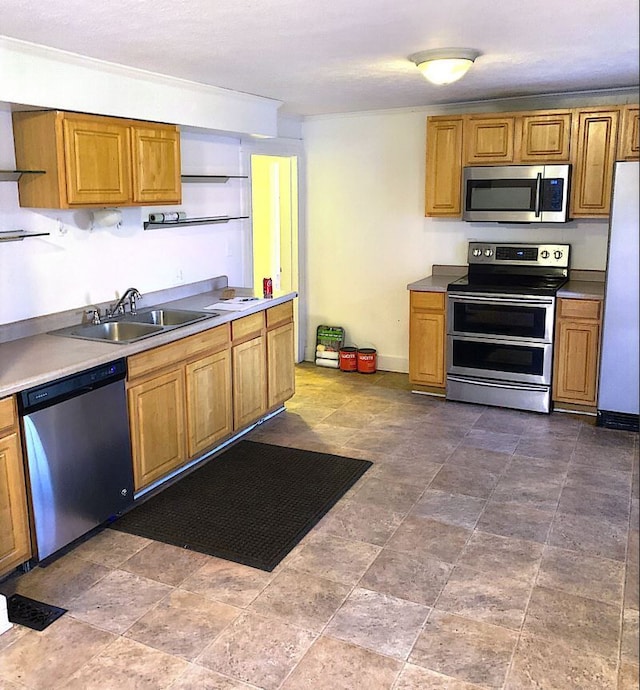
pixel 68 387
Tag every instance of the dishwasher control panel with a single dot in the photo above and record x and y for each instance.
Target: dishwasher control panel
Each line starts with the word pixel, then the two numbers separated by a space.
pixel 70 385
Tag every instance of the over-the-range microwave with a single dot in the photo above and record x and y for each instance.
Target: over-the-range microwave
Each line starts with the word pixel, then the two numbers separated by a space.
pixel 517 193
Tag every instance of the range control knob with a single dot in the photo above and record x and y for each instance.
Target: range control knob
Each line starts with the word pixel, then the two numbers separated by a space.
pixel 544 254
pixel 488 252
pixel 477 252
pixel 557 254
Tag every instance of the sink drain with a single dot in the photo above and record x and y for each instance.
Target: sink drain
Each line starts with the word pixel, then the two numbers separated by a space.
pixel 31 613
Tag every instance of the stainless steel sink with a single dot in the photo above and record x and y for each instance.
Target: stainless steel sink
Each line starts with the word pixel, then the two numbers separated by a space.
pixel 130 328
pixel 169 317
pixel 112 331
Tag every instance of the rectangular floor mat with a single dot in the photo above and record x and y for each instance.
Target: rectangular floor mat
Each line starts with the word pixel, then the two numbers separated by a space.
pixel 252 504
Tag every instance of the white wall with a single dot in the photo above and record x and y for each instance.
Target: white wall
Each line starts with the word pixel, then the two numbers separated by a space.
pixel 368 237
pixel 43 77
pixel 77 266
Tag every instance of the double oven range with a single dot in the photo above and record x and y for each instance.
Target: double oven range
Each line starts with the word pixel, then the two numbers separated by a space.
pixel 500 325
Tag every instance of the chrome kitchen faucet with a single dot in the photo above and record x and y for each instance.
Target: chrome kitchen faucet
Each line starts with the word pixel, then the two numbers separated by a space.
pixel 130 295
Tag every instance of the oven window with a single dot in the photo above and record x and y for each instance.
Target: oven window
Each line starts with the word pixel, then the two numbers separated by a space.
pixel 502 320
pixel 501 195
pixel 515 359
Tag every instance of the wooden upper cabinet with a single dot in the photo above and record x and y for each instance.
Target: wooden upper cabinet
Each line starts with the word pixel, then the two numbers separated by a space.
pixel 90 160
pixel 628 147
pixel 156 164
pixel 443 179
pixel 97 161
pixel 595 132
pixel 489 139
pixel 544 137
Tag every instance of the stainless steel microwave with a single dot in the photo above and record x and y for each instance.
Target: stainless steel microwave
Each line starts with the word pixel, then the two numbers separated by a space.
pixel 517 193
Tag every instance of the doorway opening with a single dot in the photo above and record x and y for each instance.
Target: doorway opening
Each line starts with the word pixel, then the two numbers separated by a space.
pixel 274 210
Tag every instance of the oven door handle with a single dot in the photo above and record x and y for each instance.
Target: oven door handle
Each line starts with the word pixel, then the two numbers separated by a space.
pixel 513 386
pixel 500 300
pixel 538 203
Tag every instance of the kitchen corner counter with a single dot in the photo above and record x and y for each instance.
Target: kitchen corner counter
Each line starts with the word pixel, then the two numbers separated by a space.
pixel 439 279
pixel 582 289
pixel 37 359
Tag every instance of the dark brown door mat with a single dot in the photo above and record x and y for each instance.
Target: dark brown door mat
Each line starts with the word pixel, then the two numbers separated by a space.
pixel 252 504
pixel 31 613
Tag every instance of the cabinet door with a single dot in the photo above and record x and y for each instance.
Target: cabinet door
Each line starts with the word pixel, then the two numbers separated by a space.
pixel 209 412
pixel 156 165
pixel 15 545
pixel 545 137
pixel 97 164
pixel 488 139
pixel 426 349
pixel 443 181
pixel 280 364
pixel 427 339
pixel 595 149
pixel 576 361
pixel 249 381
pixel 157 418
pixel 628 146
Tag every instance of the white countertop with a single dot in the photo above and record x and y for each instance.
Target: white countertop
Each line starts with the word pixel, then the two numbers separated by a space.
pixel 37 359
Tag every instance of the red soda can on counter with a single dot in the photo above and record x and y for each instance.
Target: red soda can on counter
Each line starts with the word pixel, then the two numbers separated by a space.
pixel 267 287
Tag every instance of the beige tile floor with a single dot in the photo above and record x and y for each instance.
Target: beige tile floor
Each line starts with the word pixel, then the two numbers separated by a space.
pixel 486 548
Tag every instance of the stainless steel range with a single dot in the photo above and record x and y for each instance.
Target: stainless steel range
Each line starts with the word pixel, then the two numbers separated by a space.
pixel 500 322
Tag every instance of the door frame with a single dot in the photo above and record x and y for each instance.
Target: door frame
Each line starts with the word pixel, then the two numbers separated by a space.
pixel 290 148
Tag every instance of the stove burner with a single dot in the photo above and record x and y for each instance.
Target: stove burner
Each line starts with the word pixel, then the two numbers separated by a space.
pixel 509 284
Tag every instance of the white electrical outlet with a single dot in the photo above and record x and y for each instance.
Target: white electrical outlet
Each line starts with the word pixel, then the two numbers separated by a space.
pixel 179 276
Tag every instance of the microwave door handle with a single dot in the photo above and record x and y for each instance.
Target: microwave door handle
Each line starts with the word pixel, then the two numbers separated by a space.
pixel 538 194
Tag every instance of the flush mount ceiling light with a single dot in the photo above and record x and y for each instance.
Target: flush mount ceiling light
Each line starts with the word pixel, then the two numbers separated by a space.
pixel 444 65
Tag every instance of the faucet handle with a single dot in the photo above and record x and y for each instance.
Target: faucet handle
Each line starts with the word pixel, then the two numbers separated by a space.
pixel 94 313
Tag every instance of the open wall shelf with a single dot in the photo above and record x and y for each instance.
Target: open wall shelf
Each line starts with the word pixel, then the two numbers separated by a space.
pixel 19 235
pixel 15 175
pixel 212 178
pixel 192 221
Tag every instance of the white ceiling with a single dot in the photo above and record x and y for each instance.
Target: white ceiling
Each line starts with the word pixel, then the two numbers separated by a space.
pixel 333 56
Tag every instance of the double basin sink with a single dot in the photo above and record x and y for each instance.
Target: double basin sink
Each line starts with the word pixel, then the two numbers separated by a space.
pixel 129 328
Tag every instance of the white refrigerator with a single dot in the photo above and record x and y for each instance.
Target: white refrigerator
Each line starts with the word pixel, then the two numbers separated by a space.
pixel 619 375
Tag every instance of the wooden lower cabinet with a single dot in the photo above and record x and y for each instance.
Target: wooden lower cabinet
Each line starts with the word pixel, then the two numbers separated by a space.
pixel 281 375
pixel 186 397
pixel 249 381
pixel 157 418
pixel 179 402
pixel 15 540
pixel 427 335
pixel 577 347
pixel 209 413
pixel 280 368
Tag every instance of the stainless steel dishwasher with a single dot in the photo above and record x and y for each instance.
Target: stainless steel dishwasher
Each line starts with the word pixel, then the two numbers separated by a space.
pixel 76 434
